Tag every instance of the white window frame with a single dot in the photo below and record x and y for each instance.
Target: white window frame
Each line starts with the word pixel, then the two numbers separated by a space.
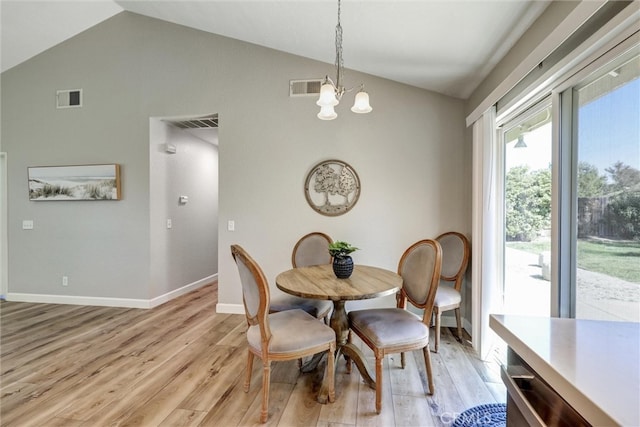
pixel 564 164
pixel 565 98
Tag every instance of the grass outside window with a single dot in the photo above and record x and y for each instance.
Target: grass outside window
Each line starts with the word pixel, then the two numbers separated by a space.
pixel 619 259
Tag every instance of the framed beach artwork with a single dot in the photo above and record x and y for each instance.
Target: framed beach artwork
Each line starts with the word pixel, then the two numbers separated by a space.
pixel 84 182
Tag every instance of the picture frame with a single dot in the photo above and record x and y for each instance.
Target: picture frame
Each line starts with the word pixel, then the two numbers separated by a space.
pixel 72 183
pixel 332 187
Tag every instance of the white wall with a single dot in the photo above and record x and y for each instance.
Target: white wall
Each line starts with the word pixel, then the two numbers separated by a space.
pixel 409 153
pixel 187 253
pixel 551 18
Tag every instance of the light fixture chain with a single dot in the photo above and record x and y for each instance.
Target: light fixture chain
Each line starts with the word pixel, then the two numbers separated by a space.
pixel 331 92
pixel 339 61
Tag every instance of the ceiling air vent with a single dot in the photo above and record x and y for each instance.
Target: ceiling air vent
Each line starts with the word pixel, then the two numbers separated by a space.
pixel 205 122
pixel 71 98
pixel 305 87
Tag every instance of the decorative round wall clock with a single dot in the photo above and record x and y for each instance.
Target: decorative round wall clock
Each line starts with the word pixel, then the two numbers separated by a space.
pixel 332 187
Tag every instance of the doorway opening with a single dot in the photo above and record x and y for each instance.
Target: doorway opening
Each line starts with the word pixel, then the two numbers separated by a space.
pixel 183 182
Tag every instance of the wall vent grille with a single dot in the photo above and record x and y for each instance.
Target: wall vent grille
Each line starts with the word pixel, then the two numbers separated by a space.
pixel 205 122
pixel 71 98
pixel 305 87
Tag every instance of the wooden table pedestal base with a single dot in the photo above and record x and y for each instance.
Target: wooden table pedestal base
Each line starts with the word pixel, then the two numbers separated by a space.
pixel 340 324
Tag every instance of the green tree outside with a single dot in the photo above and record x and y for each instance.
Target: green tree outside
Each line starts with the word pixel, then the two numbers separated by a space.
pixel 528 203
pixel 590 182
pixel 623 177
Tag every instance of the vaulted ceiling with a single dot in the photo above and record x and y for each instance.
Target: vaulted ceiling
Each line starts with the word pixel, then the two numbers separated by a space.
pixel 445 46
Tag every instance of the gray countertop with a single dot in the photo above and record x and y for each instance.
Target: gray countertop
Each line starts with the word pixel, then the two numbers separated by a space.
pixel 593 365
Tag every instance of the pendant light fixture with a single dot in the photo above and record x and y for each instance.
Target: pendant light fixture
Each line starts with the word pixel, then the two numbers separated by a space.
pixel 520 143
pixel 331 92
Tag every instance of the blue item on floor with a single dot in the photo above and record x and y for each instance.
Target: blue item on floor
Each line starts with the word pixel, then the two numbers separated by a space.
pixel 489 415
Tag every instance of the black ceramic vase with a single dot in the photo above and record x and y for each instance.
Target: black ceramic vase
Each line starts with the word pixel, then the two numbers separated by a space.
pixel 343 266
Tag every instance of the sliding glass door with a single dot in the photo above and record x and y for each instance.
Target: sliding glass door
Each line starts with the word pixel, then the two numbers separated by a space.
pixel 589 267
pixel 606 193
pixel 526 144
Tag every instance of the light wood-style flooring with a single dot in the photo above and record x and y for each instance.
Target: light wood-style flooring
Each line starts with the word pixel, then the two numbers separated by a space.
pixel 182 364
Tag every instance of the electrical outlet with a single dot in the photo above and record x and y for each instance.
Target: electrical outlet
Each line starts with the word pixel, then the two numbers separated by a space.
pixel 169 223
pixel 65 281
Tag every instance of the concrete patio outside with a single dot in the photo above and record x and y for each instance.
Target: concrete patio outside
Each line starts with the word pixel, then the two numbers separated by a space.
pixel 599 296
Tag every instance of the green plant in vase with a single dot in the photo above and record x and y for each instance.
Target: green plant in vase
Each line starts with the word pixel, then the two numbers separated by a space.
pixel 342 261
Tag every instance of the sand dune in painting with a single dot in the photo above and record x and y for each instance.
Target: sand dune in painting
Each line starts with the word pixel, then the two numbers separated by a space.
pixel 90 182
pixel 73 189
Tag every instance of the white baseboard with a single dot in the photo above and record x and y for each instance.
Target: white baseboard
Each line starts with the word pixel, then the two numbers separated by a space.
pixel 78 300
pixel 107 301
pixel 450 322
pixel 230 308
pixel 181 291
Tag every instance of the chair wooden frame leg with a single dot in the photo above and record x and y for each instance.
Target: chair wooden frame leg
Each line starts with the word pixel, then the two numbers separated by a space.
pixel 427 364
pixel 349 341
pixel 266 381
pixel 458 323
pixel 379 358
pixel 247 378
pixel 437 314
pixel 330 374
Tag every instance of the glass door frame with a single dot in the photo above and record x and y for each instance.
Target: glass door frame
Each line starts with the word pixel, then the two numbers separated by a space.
pixel 564 201
pixel 564 230
pixel 504 126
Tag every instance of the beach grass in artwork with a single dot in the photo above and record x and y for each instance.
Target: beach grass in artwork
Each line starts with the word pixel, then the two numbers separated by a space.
pixel 86 182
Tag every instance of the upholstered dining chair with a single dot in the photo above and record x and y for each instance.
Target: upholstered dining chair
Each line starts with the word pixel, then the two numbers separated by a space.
pixel 397 330
pixel 286 335
pixel 311 249
pixel 455 259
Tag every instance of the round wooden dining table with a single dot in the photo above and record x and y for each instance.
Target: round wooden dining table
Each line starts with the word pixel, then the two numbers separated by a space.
pixel 319 282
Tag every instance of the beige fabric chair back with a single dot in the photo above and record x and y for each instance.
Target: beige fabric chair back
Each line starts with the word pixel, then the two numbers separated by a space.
pixel 420 262
pixel 282 336
pixel 255 290
pixel 455 257
pixel 312 249
pixel 397 330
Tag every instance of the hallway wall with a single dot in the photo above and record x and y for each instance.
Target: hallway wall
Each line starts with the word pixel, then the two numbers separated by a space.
pixel 187 252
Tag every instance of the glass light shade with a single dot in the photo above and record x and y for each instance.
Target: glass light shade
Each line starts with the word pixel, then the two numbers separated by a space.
pixel 361 104
pixel 327 113
pixel 327 96
pixel 520 143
